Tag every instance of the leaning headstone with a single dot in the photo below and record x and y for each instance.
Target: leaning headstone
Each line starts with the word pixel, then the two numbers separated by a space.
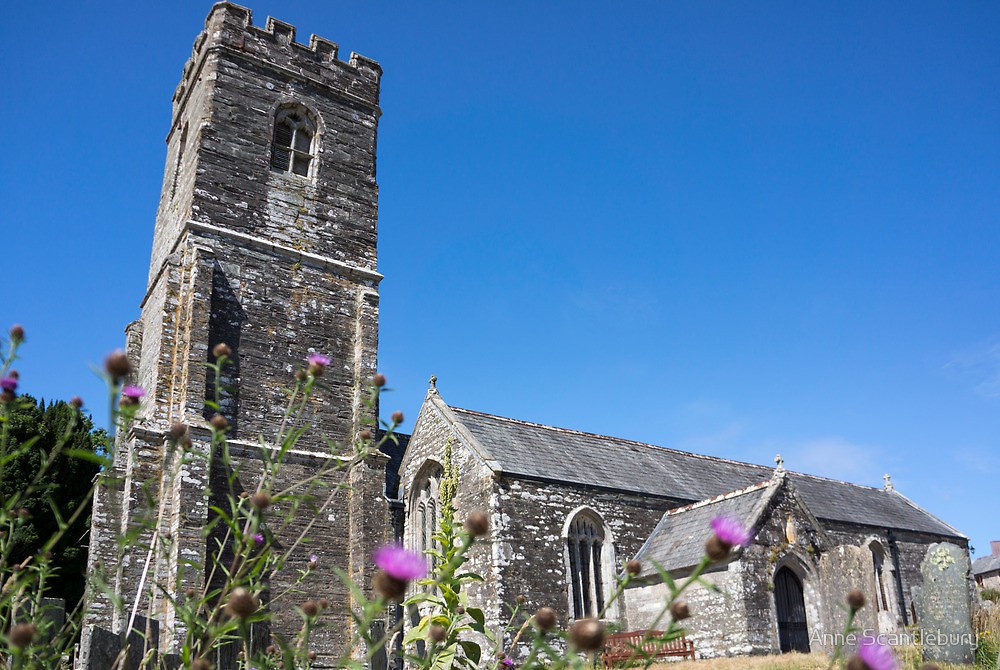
pixel 943 605
pixel 104 647
pixel 143 641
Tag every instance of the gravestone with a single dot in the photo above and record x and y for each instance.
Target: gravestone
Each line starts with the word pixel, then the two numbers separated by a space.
pixel 943 607
pixel 105 647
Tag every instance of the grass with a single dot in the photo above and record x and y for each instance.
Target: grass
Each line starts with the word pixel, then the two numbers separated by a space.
pixel 784 662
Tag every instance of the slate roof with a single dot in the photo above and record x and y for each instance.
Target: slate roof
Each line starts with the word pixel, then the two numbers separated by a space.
pixel 559 454
pixel 679 538
pixel 985 564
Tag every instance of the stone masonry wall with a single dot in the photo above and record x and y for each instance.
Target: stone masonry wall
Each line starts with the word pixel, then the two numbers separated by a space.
pixel 718 625
pixel 530 536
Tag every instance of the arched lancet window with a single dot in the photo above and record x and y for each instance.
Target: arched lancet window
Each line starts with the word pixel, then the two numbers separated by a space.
pixel 423 515
pixel 294 146
pixel 589 562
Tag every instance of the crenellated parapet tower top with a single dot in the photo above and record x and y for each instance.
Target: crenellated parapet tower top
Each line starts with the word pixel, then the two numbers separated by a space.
pixel 230 27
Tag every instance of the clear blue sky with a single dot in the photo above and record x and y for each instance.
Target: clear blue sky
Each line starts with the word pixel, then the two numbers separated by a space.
pixel 733 228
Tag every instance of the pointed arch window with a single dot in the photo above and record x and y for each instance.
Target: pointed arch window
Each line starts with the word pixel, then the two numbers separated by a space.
pixel 293 148
pixel 883 578
pixel 424 515
pixel 589 563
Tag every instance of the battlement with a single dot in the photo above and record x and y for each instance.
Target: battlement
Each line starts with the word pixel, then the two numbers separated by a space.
pixel 230 27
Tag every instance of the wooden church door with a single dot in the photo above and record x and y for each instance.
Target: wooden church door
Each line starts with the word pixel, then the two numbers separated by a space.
pixel 793 633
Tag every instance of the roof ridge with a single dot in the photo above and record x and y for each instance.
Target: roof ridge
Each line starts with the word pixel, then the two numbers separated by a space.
pixel 718 459
pixel 753 488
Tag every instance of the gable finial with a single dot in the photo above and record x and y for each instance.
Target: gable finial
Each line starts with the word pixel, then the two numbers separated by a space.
pixel 433 381
pixel 888 482
pixel 780 462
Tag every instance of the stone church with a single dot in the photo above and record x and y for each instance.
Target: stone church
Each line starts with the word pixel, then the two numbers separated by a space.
pixel 266 240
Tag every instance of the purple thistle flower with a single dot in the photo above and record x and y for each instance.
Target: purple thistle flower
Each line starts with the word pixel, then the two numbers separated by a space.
pixel 9 384
pixel 877 656
pixel 313 560
pixel 259 538
pixel 507 661
pixel 133 392
pixel 318 359
pixel 731 531
pixel 400 563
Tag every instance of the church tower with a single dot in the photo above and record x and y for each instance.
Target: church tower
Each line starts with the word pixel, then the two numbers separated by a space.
pixel 265 240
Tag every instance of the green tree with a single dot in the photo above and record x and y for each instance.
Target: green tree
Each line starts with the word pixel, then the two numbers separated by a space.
pixel 33 431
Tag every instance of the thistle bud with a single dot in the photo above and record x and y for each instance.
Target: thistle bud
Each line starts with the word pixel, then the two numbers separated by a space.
pixel 117 365
pixel 365 435
pixel 438 633
pixel 17 333
pixel 680 610
pixel 310 608
pixel 260 500
pixel 76 402
pixel 378 379
pixel 312 655
pixel 177 431
pixel 855 599
pixel 477 523
pixel 222 350
pixel 397 417
pixel 219 422
pixel 324 603
pixel 521 600
pixel 545 619
pixel 587 634
pixel 633 567
pixel 23 634
pixel 242 603
pixel 387 586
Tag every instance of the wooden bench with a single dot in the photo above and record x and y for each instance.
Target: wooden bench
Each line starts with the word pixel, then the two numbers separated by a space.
pixel 637 645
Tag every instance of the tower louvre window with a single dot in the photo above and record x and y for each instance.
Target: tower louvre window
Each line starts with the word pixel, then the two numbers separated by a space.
pixel 294 146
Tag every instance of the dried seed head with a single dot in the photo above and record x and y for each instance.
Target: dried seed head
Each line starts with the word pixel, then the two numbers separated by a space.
pixel 397 417
pixel 260 500
pixel 17 333
pixel 633 567
pixel 680 610
pixel 587 634
pixel 378 379
pixel 23 634
pixel 242 603
pixel 477 523
pixel 855 599
pixel 117 365
pixel 76 402
pixel 545 618
pixel 717 549
pixel 438 633
pixel 388 586
pixel 310 608
pixel 177 431
pixel 219 422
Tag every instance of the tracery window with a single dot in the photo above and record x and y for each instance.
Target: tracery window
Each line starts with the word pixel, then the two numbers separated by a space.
pixel 590 564
pixel 424 515
pixel 294 146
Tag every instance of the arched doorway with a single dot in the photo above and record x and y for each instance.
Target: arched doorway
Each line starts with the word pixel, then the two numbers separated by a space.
pixel 793 632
